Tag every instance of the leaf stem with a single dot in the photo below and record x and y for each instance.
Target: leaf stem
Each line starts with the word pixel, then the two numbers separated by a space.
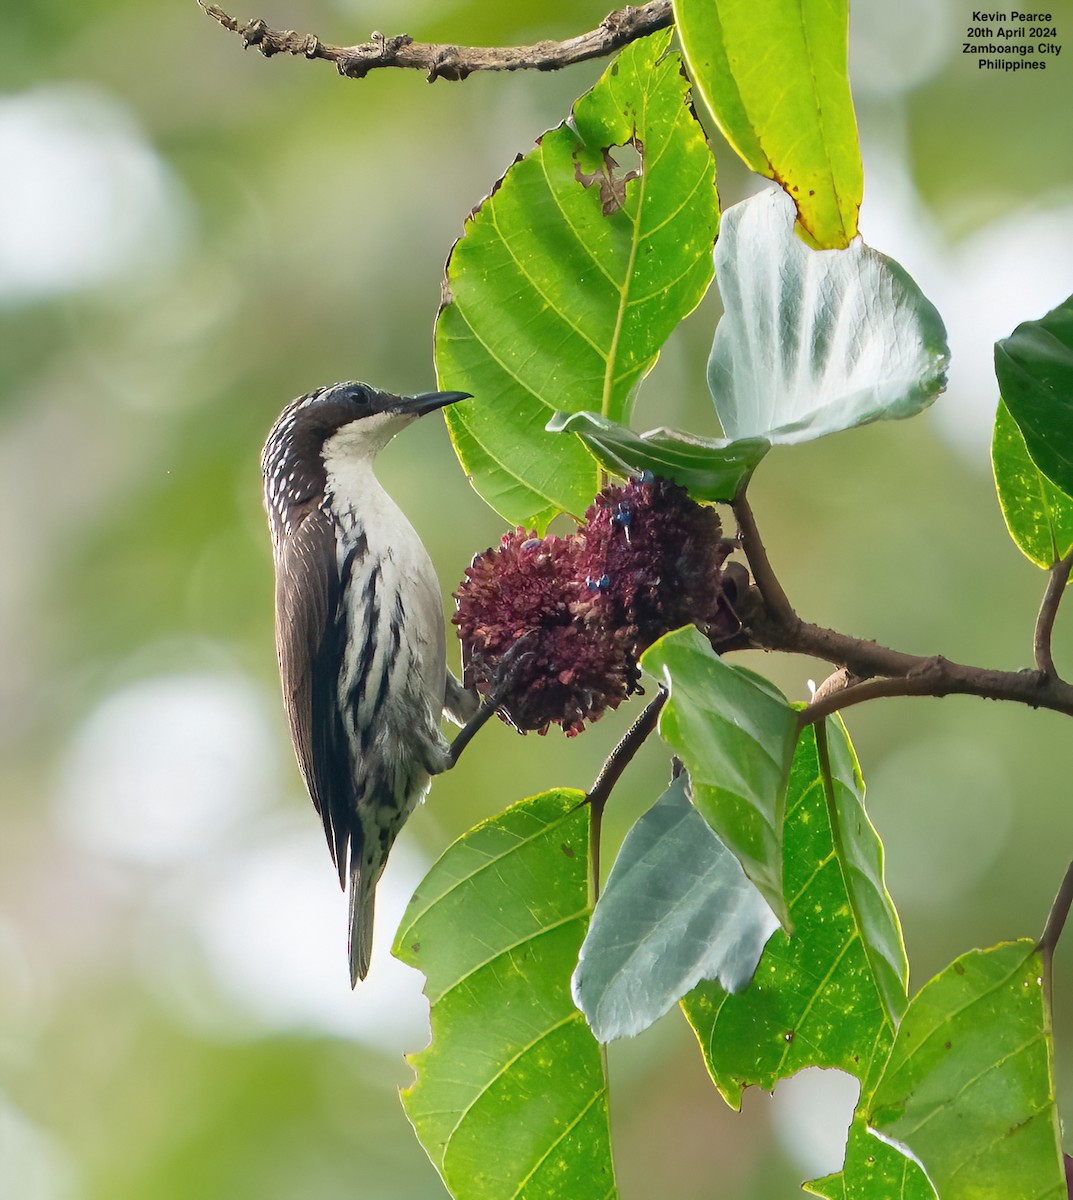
pixel 610 773
pixel 1048 611
pixel 1052 931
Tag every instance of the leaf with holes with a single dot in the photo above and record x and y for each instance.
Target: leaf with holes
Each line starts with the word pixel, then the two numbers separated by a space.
pixel 1038 515
pixel 709 469
pixel 570 276
pixel 773 72
pixel 832 995
pixel 677 908
pixel 510 1099
pixel 873 1168
pixel 1034 366
pixel 812 342
pixel 968 1088
pixel 735 734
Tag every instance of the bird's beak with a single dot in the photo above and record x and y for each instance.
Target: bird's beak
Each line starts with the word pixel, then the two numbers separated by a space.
pixel 428 402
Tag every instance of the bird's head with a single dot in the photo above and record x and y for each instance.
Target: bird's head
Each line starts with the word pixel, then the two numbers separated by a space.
pixel 356 420
pixel 346 421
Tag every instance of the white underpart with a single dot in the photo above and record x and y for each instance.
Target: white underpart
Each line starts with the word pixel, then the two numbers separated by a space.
pixel 415 695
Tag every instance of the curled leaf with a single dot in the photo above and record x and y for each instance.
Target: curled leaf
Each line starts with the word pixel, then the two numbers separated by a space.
pixel 813 342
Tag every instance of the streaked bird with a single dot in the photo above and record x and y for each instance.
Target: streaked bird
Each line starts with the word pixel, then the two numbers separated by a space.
pixel 359 631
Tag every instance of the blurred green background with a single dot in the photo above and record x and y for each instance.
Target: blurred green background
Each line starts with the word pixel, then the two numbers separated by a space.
pixel 190 236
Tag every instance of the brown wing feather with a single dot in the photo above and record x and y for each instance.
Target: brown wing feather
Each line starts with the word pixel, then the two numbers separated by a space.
pixel 307 599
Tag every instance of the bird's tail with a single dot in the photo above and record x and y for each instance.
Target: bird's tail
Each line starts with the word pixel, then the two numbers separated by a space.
pixel 362 898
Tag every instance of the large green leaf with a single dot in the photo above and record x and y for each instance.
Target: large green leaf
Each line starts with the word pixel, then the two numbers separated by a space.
pixel 1034 366
pixel 677 908
pixel 1038 516
pixel 773 72
pixel 969 1088
pixel 831 995
pixel 813 342
pixel 735 734
pixel 569 278
pixel 510 1099
pixel 709 469
pixel 873 1169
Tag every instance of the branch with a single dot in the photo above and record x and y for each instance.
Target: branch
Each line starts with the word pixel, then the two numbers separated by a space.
pixel 1048 610
pixel 441 61
pixel 873 671
pixel 869 671
pixel 836 698
pixel 764 577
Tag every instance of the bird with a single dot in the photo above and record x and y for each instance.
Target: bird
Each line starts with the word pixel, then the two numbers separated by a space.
pixel 359 631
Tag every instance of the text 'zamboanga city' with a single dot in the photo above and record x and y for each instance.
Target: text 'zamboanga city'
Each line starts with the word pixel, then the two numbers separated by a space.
pixel 1012 41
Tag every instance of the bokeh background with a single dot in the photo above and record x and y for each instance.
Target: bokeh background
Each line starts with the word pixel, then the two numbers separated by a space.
pixel 189 236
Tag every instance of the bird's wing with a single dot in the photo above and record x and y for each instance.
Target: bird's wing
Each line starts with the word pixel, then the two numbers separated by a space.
pixel 307 642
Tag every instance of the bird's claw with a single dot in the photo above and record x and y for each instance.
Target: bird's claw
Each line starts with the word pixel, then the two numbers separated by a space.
pixel 510 667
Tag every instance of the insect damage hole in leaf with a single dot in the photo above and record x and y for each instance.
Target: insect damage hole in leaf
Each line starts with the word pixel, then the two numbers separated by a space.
pixel 557 306
pixel 619 165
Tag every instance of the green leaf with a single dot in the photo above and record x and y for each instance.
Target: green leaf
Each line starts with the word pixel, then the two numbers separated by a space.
pixel 969 1084
pixel 677 908
pixel 831 995
pixel 773 72
pixel 873 1168
pixel 709 469
pixel 1038 516
pixel 814 342
pixel 510 1098
pixel 570 277
pixel 735 734
pixel 1034 366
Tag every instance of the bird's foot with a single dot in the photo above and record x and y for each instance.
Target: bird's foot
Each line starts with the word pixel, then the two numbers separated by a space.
pixel 508 670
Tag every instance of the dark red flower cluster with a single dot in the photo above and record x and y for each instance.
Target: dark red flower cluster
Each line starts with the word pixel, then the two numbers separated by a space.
pixel 659 555
pixel 581 609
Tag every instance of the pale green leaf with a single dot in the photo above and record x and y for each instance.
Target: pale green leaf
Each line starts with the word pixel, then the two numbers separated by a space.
pixel 814 342
pixel 677 908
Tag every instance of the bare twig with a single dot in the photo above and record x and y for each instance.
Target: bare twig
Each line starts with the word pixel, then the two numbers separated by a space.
pixel 836 698
pixel 441 61
pixel 871 671
pixel 1048 610
pixel 874 671
pixel 764 577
